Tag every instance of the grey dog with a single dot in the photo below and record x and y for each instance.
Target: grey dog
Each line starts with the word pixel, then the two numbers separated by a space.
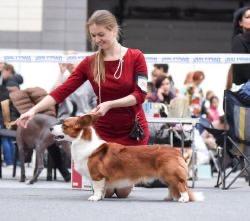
pixel 37 136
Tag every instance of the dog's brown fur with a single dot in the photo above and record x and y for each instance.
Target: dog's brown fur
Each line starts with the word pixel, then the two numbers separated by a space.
pixel 115 162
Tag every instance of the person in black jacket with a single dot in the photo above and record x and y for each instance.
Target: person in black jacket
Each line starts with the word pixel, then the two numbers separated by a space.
pixel 9 78
pixel 240 73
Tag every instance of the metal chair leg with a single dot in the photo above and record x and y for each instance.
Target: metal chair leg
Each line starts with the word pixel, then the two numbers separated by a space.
pixel 218 183
pixel 235 178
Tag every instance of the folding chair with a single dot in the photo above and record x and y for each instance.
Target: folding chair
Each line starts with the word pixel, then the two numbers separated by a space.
pixel 219 136
pixel 237 116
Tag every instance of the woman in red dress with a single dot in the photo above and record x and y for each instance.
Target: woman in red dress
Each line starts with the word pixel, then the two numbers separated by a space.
pixel 119 78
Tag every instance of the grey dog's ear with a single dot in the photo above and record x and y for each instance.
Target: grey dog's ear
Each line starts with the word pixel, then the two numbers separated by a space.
pixel 87 120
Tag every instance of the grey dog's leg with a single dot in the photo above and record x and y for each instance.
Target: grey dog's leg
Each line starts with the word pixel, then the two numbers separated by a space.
pixel 21 158
pixel 21 154
pixel 39 165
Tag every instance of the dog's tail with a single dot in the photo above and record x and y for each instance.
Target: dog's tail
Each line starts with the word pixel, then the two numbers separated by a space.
pixel 196 196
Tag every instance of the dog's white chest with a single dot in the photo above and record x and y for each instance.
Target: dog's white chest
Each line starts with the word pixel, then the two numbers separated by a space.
pixel 81 151
pixel 82 168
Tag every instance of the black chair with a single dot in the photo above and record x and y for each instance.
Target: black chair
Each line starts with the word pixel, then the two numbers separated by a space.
pixel 237 138
pixel 234 142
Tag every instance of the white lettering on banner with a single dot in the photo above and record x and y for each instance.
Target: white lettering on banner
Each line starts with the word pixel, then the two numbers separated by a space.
pixel 18 58
pixel 150 58
pixel 215 60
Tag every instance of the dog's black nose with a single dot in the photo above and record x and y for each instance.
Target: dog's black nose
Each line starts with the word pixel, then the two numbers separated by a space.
pixel 51 128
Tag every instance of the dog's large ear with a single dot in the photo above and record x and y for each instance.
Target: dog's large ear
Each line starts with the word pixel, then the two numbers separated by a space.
pixel 86 120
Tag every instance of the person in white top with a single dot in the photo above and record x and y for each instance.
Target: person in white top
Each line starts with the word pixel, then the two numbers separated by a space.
pixel 82 101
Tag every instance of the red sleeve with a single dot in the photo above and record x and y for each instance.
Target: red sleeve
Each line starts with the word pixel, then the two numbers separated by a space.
pixel 140 70
pixel 75 80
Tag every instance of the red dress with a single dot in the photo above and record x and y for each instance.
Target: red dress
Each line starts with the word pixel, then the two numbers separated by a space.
pixel 117 123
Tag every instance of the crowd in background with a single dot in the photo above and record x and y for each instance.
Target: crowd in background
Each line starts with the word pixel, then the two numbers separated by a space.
pixel 162 89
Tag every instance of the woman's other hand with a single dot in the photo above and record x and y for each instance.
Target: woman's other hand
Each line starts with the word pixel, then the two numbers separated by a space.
pixel 102 108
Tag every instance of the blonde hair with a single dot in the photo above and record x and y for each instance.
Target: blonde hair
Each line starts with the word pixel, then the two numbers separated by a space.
pixel 108 20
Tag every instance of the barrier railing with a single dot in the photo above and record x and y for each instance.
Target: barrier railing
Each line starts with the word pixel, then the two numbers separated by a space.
pixel 150 58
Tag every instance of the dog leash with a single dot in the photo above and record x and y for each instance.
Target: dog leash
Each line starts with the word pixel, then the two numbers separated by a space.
pixel 99 77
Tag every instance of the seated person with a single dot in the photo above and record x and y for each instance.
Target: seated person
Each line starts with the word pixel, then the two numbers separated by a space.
pixel 151 85
pixel 206 103
pixel 209 138
pixel 162 69
pixel 213 112
pixel 194 92
pixel 163 94
pixel 82 101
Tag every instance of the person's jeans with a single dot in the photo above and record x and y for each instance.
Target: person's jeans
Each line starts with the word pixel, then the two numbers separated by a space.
pixel 8 149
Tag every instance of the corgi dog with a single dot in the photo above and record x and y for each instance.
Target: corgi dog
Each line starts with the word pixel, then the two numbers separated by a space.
pixel 112 165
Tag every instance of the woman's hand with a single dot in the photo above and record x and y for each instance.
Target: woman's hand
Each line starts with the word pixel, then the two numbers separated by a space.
pixel 102 108
pixel 24 119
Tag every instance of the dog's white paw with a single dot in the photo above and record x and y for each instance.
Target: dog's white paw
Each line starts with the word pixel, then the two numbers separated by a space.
pixel 95 198
pixel 184 198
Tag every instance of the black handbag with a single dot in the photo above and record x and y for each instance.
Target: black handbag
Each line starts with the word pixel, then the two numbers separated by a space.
pixel 137 132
